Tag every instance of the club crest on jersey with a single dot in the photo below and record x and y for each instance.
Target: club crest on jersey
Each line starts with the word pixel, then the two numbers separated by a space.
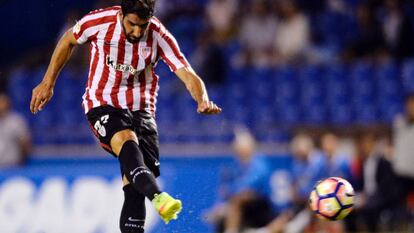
pixel 120 67
pixel 145 52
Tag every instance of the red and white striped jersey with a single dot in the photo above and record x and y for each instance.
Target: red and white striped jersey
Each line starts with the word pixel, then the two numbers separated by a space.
pixel 121 74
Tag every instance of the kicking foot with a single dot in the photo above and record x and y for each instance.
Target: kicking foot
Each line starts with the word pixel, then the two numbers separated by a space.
pixel 168 208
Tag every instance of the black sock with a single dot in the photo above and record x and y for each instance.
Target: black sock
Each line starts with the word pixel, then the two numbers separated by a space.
pixel 133 211
pixel 133 166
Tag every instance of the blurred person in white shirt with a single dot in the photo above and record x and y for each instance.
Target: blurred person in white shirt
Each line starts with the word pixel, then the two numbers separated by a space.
pixel 292 32
pixel 403 161
pixel 256 36
pixel 220 15
pixel 14 136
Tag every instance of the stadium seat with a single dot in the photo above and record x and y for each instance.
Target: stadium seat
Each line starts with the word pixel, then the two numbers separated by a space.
pixel 365 113
pixel 389 86
pixel 408 75
pixel 334 29
pixel 340 115
pixel 362 85
pixel 337 94
pixel 312 90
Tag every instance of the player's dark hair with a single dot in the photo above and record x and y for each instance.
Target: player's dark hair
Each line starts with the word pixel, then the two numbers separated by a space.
pixel 143 8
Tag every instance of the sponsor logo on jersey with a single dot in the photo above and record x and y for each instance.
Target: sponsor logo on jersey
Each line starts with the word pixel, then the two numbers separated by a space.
pixel 120 67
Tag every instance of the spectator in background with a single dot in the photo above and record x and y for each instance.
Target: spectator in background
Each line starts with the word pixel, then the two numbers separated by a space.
pixel 292 32
pixel 398 30
pixel 257 35
pixel 309 166
pixel 381 191
pixel 369 41
pixel 247 193
pixel 364 145
pixel 221 15
pixel 339 164
pixel 208 59
pixel 403 162
pixel 14 136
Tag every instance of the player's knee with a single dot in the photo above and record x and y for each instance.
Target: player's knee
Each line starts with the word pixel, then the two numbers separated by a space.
pixel 132 161
pixel 120 138
pixel 125 180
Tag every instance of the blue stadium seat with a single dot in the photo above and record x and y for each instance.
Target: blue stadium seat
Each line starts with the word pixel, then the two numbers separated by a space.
pixel 237 74
pixel 314 113
pixel 231 49
pixel 362 83
pixel 340 114
pixel 235 94
pixel 44 119
pixel 337 94
pixel 389 88
pixel 286 86
pixel 408 75
pixel 334 29
pixel 216 94
pixel 239 114
pixel 263 115
pixel 20 89
pixel 288 114
pixel 387 110
pixel 388 78
pixel 365 113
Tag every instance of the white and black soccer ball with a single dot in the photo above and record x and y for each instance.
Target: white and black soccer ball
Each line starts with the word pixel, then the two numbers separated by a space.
pixel 332 199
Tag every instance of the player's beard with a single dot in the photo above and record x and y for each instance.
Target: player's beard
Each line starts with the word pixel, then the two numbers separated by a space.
pixel 132 40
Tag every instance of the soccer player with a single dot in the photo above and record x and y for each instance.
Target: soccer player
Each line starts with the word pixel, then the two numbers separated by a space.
pixel 126 43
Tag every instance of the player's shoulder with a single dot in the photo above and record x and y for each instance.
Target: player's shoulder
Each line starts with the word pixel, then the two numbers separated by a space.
pixel 102 15
pixel 156 25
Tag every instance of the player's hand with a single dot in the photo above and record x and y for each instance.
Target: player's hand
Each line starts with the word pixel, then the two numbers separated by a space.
pixel 41 95
pixel 208 108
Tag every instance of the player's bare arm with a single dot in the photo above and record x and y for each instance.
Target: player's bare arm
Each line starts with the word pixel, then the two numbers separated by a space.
pixel 43 92
pixel 197 89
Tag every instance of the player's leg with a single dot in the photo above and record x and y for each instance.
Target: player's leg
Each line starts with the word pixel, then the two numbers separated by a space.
pixel 133 212
pixel 106 122
pixel 146 128
pixel 125 145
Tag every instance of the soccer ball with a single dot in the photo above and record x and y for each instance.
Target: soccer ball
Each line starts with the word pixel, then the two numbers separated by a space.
pixel 332 199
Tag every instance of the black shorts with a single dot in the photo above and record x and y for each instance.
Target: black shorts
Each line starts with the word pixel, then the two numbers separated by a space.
pixel 106 121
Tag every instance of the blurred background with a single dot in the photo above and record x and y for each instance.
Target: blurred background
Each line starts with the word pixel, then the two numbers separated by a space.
pixel 309 89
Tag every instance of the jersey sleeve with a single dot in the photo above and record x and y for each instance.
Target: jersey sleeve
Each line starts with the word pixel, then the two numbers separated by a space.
pixel 85 28
pixel 170 51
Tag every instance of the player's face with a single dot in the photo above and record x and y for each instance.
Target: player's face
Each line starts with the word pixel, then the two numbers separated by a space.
pixel 134 27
